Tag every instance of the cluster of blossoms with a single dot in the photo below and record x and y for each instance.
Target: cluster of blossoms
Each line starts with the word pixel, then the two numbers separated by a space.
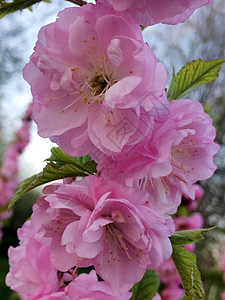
pixel 98 89
pixel 168 275
pixel 9 169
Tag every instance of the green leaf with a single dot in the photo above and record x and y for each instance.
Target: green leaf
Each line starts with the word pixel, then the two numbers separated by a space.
pixel 146 288
pixel 182 211
pixel 185 237
pixel 193 74
pixel 50 173
pixel 185 263
pixel 13 6
pixel 60 166
pixel 83 162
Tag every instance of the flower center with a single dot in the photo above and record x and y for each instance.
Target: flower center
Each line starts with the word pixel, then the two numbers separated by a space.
pixel 93 89
pixel 99 84
pixel 116 242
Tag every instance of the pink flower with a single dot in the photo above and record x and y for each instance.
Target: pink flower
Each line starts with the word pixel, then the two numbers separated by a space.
pixel 31 273
pixel 105 224
pixel 194 221
pixel 179 152
pixel 53 222
pixel 34 277
pixel 223 263
pixel 23 136
pixel 150 12
pixel 94 81
pixel 168 273
pixel 7 189
pixel 192 204
pixel 223 296
pixel 199 192
pixel 172 293
pixel 8 174
pixel 28 112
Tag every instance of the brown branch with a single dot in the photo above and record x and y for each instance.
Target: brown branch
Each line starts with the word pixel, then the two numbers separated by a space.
pixel 78 2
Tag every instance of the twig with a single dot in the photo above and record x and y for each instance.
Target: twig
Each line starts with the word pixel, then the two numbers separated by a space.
pixel 78 2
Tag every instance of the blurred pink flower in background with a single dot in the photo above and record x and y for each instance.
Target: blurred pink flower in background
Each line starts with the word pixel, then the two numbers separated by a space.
pixel 223 262
pixel 172 293
pixel 9 177
pixel 192 204
pixel 194 221
pixel 168 273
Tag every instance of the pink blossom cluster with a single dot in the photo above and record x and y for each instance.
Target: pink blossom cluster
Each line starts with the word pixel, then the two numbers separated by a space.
pixel 98 89
pixel 9 168
pixel 168 274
